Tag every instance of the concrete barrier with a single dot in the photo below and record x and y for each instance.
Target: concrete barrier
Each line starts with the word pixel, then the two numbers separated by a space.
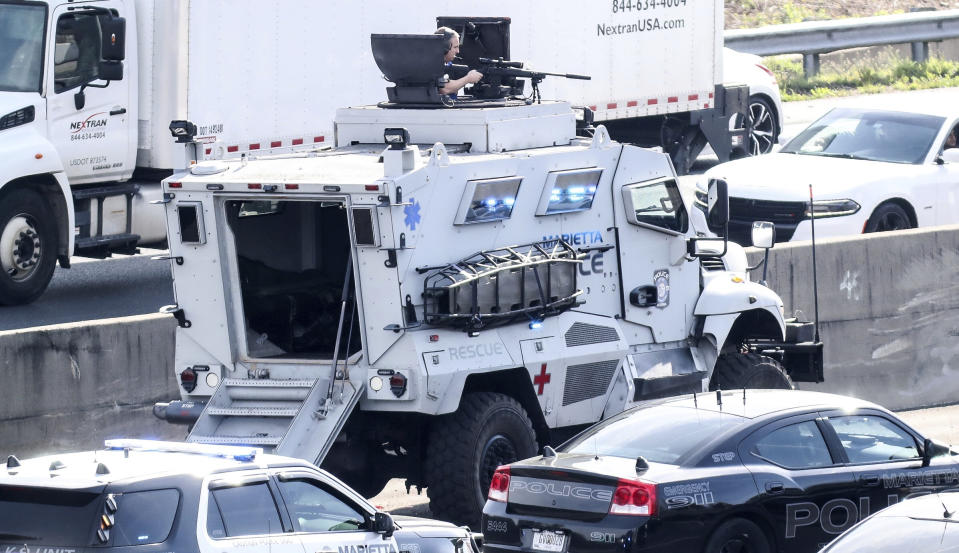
pixel 71 386
pixel 889 312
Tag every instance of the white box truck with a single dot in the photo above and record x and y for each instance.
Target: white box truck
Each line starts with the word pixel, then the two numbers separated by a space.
pixel 88 90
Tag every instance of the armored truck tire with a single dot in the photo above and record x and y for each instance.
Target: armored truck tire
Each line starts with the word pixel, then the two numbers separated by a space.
pixel 28 246
pixel 749 370
pixel 488 430
pixel 739 535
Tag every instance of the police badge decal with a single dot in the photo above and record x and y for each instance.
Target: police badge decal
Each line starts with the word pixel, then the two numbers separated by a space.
pixel 661 281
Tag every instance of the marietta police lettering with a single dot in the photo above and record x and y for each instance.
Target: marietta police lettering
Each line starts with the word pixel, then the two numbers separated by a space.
pixel 478 350
pixel 593 263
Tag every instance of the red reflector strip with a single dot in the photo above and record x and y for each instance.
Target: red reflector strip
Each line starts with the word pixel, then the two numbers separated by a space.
pixel 233 148
pixel 652 102
pixel 175 184
pixel 632 103
pixel 276 144
pixel 693 97
pixel 610 106
pixel 706 105
pixel 319 138
pixel 372 187
pixel 254 146
pixel 254 186
pixel 710 95
pixel 593 108
pixel 672 99
pixel 292 186
pixel 297 141
pixel 209 151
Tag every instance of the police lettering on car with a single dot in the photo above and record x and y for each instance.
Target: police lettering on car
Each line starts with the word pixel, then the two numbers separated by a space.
pixel 758 470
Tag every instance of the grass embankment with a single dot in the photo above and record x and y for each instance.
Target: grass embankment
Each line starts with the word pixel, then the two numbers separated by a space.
pixel 861 78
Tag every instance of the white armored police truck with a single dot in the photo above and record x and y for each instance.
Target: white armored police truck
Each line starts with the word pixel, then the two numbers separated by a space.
pixel 454 285
pixel 88 89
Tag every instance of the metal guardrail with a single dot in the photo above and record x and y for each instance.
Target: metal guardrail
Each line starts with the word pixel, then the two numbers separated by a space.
pixel 815 37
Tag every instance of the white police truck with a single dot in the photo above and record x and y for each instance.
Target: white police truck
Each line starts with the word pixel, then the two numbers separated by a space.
pixel 455 284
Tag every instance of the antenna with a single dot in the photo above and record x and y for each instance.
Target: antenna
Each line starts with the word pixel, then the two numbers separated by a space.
pixel 946 513
pixel 719 398
pixel 744 396
pixel 695 403
pixel 815 286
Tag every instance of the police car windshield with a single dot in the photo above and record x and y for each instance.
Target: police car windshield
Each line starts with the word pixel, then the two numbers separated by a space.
pixel 660 434
pixel 42 516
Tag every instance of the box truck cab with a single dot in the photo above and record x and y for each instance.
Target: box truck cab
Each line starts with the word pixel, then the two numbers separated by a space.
pixel 68 116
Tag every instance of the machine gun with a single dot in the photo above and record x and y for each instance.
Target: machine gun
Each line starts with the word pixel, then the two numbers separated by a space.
pixel 500 79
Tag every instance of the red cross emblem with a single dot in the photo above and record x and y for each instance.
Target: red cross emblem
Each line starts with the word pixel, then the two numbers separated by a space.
pixel 541 379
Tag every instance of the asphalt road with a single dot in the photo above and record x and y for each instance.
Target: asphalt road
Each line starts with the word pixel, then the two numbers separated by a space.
pixel 97 289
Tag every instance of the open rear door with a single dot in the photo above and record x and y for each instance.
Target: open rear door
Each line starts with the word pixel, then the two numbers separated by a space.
pixel 377 278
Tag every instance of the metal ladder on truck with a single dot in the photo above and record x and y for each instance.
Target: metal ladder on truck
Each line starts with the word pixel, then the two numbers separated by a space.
pixel 297 418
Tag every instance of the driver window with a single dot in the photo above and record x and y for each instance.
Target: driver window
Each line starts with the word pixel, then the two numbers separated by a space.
pixel 952 139
pixel 77 51
pixel 657 203
pixel 315 508
pixel 870 439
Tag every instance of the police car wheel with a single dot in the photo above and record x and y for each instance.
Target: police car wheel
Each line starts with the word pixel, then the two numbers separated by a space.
pixel 28 246
pixel 749 370
pixel 738 536
pixel 488 430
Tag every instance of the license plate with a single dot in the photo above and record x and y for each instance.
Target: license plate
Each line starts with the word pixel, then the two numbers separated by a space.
pixel 548 541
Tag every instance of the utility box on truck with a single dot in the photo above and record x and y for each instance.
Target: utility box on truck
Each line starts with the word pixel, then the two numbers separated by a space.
pixel 88 91
pixel 451 287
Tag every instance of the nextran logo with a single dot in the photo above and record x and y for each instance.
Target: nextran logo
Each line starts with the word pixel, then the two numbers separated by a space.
pixel 89 123
pixel 560 490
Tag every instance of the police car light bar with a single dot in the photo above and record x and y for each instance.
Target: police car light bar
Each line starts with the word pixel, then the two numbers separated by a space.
pixel 238 453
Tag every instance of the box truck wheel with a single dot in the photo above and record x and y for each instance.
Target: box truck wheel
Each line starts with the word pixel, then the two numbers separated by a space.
pixel 464 449
pixel 749 370
pixel 28 246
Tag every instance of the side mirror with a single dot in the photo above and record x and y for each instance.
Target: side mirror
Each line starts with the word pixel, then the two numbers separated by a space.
pixel 930 449
pixel 717 205
pixel 383 524
pixel 113 31
pixel 79 99
pixel 949 155
pixel 764 234
pixel 110 70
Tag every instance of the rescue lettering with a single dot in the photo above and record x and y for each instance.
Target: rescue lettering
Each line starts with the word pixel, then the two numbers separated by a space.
pixel 478 350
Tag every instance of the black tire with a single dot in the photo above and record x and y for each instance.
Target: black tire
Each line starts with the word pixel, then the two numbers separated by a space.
pixel 764 132
pixel 749 370
pixel 369 486
pixel 888 217
pixel 738 535
pixel 765 126
pixel 488 430
pixel 28 246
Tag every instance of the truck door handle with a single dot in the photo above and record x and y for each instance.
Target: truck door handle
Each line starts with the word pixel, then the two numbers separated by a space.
pixel 643 296
pixel 775 487
pixel 119 111
pixel 869 479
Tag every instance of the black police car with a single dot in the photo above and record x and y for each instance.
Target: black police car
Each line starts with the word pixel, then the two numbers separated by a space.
pixel 146 496
pixel 925 524
pixel 746 471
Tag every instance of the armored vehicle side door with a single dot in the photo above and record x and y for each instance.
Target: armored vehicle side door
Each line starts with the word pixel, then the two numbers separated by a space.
pixel 660 287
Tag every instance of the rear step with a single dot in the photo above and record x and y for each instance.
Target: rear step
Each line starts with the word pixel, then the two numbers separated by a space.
pixel 289 417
